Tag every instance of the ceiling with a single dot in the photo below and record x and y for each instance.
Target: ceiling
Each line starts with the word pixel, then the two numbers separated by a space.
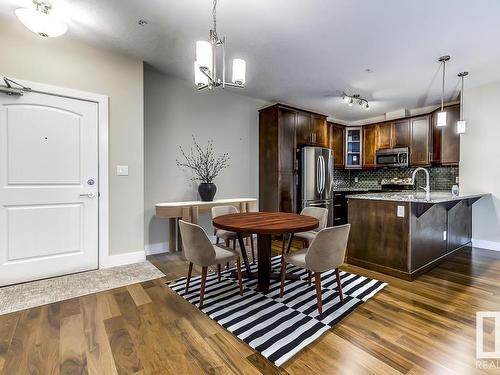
pixel 305 53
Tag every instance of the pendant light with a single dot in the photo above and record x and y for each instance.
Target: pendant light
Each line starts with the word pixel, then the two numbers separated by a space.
pixel 40 21
pixel 441 116
pixel 461 124
pixel 205 67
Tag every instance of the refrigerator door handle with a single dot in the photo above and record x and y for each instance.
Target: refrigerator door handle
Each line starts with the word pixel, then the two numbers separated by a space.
pixel 318 175
pixel 323 173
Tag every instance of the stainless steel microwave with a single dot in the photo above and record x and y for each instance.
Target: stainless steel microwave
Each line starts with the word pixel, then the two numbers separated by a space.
pixel 393 157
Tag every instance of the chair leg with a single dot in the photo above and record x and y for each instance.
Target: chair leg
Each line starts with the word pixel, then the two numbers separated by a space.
pixel 283 269
pixel 234 244
pixel 317 279
pixel 253 249
pixel 226 242
pixel 227 265
pixel 240 282
pixel 283 245
pixel 189 276
pixel 339 285
pixel 217 240
pixel 202 285
pixel 309 276
pixel 218 272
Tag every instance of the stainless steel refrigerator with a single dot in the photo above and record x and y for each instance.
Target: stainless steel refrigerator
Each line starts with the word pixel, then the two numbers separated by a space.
pixel 316 179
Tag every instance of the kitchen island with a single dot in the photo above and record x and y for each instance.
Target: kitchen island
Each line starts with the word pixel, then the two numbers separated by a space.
pixel 404 234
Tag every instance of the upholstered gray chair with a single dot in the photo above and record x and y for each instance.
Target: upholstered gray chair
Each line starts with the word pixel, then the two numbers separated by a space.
pixel 326 252
pixel 319 213
pixel 199 250
pixel 228 236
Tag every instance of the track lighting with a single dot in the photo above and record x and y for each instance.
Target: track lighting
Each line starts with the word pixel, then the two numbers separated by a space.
pixel 350 99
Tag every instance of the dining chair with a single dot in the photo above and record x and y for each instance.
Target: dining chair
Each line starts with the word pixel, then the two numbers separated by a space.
pixel 226 235
pixel 319 213
pixel 199 250
pixel 326 252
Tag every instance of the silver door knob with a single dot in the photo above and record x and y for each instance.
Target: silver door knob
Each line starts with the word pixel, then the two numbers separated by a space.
pixel 87 195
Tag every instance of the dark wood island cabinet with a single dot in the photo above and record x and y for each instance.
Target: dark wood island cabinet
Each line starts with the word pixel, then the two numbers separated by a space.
pixel 406 234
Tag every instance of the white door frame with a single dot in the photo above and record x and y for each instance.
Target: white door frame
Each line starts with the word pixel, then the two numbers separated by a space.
pixel 102 102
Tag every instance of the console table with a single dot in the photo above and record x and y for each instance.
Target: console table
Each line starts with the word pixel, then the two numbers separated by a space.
pixel 189 211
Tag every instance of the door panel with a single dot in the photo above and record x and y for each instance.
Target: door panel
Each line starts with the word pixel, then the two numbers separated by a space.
pixel 48 152
pixel 54 229
pixel 34 152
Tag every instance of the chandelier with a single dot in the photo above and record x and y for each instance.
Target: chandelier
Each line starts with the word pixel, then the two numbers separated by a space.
pixel 205 66
pixel 355 98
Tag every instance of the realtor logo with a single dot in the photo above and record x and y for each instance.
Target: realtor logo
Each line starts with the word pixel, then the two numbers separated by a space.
pixel 480 343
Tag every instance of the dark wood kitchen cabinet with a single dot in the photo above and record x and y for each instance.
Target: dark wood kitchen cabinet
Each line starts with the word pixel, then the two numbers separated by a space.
pixel 384 136
pixel 336 138
pixel 446 140
pixel 420 141
pixel 282 129
pixel 400 133
pixel 277 159
pixel 311 129
pixel 369 146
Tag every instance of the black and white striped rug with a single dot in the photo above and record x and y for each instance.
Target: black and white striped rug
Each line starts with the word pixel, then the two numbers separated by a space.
pixel 278 328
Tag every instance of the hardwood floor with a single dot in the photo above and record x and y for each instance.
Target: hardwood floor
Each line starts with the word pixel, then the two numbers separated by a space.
pixel 421 327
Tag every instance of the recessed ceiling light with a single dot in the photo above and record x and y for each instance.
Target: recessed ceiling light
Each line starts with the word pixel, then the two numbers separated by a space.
pixel 368 70
pixel 143 23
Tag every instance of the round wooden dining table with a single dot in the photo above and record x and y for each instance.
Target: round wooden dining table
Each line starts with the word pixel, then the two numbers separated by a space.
pixel 265 225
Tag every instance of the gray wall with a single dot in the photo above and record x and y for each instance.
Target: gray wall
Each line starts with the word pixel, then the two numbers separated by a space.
pixel 68 63
pixel 480 161
pixel 175 110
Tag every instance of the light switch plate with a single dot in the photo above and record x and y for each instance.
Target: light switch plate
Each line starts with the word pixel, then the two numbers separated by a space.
pixel 457 179
pixel 401 211
pixel 122 170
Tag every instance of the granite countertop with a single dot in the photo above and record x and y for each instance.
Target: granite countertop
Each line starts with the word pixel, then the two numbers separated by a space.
pixel 417 196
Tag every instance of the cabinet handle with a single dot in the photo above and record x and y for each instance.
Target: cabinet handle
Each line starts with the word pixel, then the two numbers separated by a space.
pixel 296 164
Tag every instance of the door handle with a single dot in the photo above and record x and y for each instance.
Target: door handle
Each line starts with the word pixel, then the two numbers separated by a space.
pixel 87 195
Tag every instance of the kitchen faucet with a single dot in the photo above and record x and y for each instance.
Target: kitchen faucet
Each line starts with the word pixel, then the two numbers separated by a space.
pixel 427 187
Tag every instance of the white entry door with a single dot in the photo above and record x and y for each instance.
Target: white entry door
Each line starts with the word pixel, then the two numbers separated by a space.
pixel 48 187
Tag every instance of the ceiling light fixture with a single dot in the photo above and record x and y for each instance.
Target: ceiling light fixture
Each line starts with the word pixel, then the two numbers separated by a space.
pixel 461 124
pixel 441 116
pixel 350 99
pixel 40 21
pixel 205 67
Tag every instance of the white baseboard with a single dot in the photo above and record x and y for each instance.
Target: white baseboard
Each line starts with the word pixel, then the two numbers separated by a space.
pixel 483 244
pixel 123 259
pixel 156 248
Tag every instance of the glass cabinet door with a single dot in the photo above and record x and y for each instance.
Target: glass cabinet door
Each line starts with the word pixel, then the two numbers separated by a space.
pixel 353 148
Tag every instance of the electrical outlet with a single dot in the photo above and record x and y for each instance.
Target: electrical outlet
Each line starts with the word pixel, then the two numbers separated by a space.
pixel 401 211
pixel 457 180
pixel 356 179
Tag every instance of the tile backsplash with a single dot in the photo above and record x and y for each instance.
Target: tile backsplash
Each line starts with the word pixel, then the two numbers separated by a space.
pixel 441 177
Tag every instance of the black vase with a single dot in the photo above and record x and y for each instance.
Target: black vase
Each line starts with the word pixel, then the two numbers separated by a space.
pixel 207 191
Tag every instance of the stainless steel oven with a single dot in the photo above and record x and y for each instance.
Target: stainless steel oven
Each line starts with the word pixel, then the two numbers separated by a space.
pixel 393 157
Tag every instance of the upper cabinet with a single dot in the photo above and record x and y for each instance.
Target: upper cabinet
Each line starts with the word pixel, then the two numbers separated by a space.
pixel 311 129
pixel 446 145
pixel 420 141
pixel 353 149
pixel 384 136
pixel 336 138
pixel 369 145
pixel 400 133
